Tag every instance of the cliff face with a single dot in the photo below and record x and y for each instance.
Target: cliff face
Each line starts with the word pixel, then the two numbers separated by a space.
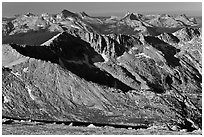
pixel 80 75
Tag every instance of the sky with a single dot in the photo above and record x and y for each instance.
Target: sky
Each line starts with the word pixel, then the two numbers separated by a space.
pixel 103 8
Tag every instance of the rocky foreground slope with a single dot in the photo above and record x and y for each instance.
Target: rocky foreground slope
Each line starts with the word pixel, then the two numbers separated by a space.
pixel 81 73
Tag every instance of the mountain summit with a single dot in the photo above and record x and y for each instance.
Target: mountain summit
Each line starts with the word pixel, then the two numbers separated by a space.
pixel 65 13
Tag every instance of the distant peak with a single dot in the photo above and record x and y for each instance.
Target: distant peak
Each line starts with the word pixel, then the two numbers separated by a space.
pixel 67 13
pixel 183 16
pixel 138 15
pixel 84 14
pixel 64 11
pixel 44 14
pixel 127 13
pixel 165 15
pixel 29 14
pixel 133 16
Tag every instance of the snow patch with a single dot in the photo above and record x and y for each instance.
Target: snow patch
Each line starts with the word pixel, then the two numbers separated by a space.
pixel 91 126
pixel 105 57
pixel 29 92
pixel 69 18
pixel 47 43
pixel 25 69
pixel 71 124
pixel 134 48
pixel 130 52
pixel 118 58
pixel 16 74
pixel 74 26
pixel 147 47
pixel 6 99
pixel 142 54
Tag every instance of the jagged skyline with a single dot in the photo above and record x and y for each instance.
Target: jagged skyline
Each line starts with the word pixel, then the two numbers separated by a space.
pixel 103 8
pixel 74 73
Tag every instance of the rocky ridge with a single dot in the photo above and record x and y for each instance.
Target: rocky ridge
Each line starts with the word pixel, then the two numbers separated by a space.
pixel 82 74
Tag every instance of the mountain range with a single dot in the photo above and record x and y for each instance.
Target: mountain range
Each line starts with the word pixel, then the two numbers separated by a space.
pixel 131 70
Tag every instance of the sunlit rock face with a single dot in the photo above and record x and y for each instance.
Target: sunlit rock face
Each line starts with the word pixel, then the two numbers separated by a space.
pixel 136 69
